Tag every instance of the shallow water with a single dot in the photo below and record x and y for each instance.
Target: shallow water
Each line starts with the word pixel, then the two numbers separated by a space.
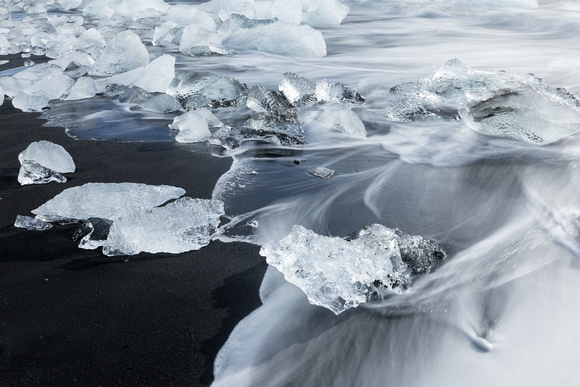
pixel 500 310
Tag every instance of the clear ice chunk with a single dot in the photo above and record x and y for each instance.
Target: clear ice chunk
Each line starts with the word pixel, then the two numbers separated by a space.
pixel 31 223
pixel 33 173
pixel 325 13
pixel 192 127
pixel 262 100
pixel 29 103
pixel 337 92
pixel 340 274
pixel 340 118
pixel 514 106
pixel 123 53
pixel 206 90
pixel 197 41
pixel 279 129
pixel 298 90
pixel 83 88
pixel 49 155
pixel 162 103
pixel 105 200
pixel 322 172
pixel 92 233
pixel 183 225
pixel 157 75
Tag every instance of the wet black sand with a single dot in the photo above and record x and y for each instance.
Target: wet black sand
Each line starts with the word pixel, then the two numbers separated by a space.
pixel 75 317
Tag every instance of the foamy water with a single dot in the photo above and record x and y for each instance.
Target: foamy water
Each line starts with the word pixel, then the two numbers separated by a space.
pixel 501 309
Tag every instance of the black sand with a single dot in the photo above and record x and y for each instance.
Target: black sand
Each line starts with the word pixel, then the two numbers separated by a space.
pixel 75 317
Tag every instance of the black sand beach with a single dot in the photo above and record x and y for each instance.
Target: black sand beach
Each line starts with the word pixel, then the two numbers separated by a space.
pixel 75 317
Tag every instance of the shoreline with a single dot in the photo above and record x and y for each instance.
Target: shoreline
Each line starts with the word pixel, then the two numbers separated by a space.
pixel 76 317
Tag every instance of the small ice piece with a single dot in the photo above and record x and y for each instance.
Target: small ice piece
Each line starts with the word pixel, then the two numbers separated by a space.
pixel 183 225
pixel 298 90
pixel 3 62
pixel 31 223
pixel 262 100
pixel 279 129
pixel 162 103
pixel 29 103
pixel 253 223
pixel 192 127
pixel 157 75
pixel 241 33
pixel 197 41
pixel 105 200
pixel 92 233
pixel 325 13
pixel 52 87
pixel 1 96
pixel 340 118
pixel 33 173
pixel 83 88
pixel 322 172
pixel 202 90
pixel 340 274
pixel 125 52
pixel 49 155
pixel 337 92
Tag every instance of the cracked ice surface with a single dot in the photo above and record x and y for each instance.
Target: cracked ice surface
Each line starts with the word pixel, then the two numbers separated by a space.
pixel 340 274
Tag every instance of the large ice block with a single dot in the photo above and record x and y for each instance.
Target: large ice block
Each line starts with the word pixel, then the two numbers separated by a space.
pixel 49 155
pixel 123 53
pixel 206 90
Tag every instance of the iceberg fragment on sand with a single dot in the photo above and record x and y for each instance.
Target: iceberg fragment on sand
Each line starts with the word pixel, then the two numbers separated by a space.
pixel 192 127
pixel 105 200
pixel 183 225
pixel 31 223
pixel 339 274
pixel 514 106
pixel 42 162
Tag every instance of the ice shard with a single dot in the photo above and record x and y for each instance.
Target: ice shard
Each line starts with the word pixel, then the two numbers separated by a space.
pixel 340 274
pixel 183 225
pixel 31 224
pixel 192 127
pixel 340 118
pixel 298 90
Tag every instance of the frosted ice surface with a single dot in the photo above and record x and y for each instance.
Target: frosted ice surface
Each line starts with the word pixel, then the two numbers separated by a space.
pixel 82 89
pixel 192 127
pixel 340 118
pixel 197 41
pixel 162 103
pixel 287 11
pixel 105 200
pixel 201 89
pixel 124 9
pixel 241 33
pixel 182 14
pixel 23 79
pixel 31 223
pixel 514 106
pixel 262 100
pixel 184 225
pixel 52 86
pixel 157 75
pixel 325 13
pixel 167 34
pixel 298 90
pixel 33 173
pixel 339 274
pixel 336 92
pixel 49 155
pixel 123 53
pixel 322 172
pixel 29 103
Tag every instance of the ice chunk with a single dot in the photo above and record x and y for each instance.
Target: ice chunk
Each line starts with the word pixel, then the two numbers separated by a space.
pixel 92 233
pixel 262 100
pixel 184 225
pixel 162 103
pixel 31 223
pixel 49 155
pixel 279 129
pixel 340 118
pixel 339 274
pixel 198 90
pixel 287 11
pixel 125 52
pixel 336 92
pixel 1 96
pixel 197 41
pixel 322 172
pixel 105 200
pixel 275 37
pixel 298 90
pixel 82 89
pixel 157 76
pixel 192 127
pixel 29 103
pixel 33 173
pixel 52 86
pixel 325 13
pixel 167 34
pixel 514 106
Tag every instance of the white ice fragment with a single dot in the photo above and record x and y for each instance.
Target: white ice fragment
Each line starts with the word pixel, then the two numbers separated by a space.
pixel 49 155
pixel 336 92
pixel 197 41
pixel 287 11
pixel 339 274
pixel 1 96
pixel 184 225
pixel 157 75
pixel 181 14
pixel 298 90
pixel 3 62
pixel 325 13
pixel 192 126
pixel 162 103
pixel 340 118
pixel 83 88
pixel 52 86
pixel 31 223
pixel 322 172
pixel 29 103
pixel 125 52
pixel 105 200
pixel 32 172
